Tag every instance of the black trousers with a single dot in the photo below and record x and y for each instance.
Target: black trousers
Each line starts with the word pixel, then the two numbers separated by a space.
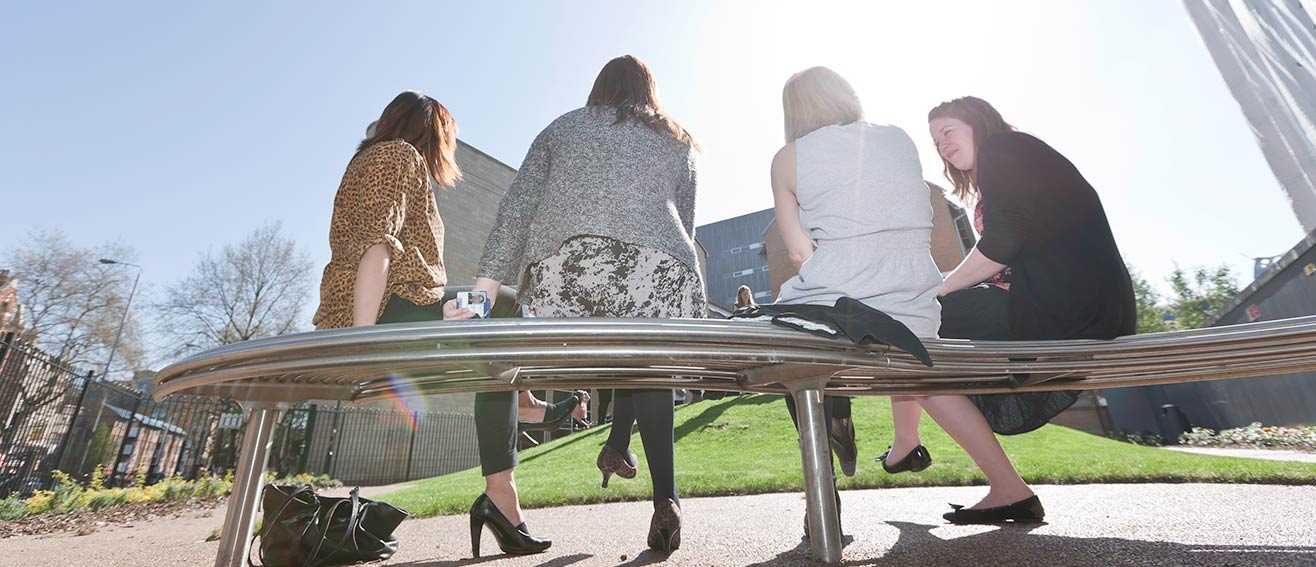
pixel 495 412
pixel 982 312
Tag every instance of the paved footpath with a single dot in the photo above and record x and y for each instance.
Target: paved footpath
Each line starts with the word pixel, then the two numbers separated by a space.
pixel 1262 454
pixel 1142 525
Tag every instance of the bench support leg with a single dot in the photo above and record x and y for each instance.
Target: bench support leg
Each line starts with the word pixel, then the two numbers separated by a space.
pixel 235 540
pixel 819 491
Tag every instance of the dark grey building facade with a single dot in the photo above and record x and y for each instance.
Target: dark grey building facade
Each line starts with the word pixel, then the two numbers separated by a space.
pixel 469 209
pixel 736 257
pixel 1287 289
pixel 468 212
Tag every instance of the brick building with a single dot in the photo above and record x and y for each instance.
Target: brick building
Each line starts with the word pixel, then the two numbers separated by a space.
pixel 11 311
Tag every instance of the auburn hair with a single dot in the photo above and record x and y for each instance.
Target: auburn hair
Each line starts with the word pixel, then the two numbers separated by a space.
pixel 626 84
pixel 984 120
pixel 425 124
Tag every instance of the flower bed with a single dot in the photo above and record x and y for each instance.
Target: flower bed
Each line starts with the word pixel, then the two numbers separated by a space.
pixel 1301 438
pixel 69 496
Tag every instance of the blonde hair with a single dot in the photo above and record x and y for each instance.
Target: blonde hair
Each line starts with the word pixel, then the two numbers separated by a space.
pixel 815 98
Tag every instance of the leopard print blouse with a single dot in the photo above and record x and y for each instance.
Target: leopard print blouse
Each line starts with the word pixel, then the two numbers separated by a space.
pixel 385 196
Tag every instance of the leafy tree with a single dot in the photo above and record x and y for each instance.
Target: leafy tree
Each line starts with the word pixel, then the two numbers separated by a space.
pixel 1200 296
pixel 1194 299
pixel 1151 315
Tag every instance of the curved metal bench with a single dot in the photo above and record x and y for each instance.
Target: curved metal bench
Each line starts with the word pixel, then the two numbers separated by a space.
pixel 409 359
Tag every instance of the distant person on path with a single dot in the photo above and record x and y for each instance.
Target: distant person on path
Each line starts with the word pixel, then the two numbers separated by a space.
pixel 744 297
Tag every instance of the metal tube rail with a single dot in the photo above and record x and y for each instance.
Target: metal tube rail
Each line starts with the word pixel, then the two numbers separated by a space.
pixel 365 363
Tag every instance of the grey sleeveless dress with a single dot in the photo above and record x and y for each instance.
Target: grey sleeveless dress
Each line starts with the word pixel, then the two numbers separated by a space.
pixel 863 200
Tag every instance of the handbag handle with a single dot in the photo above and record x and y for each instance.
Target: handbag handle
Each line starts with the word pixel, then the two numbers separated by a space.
pixel 291 497
pixel 352 522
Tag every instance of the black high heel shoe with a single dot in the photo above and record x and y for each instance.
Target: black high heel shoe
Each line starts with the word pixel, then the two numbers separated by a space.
pixel 915 461
pixel 1026 511
pixel 555 416
pixel 513 540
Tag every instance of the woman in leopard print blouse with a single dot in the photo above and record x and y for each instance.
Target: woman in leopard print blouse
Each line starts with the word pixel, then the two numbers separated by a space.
pixel 387 240
pixel 386 236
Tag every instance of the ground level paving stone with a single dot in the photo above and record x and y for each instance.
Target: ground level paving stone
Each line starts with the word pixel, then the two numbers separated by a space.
pixel 1134 525
pixel 1261 454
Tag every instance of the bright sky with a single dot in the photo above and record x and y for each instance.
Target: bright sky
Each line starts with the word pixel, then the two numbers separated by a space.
pixel 179 127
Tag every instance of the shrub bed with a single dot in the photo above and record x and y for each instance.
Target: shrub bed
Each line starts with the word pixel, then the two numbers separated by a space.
pixel 1255 435
pixel 68 495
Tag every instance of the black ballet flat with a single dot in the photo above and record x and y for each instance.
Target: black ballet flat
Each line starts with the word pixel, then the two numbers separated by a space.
pixel 915 461
pixel 1026 511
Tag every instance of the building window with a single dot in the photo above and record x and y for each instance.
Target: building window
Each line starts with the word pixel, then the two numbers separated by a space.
pixel 739 249
pixel 963 227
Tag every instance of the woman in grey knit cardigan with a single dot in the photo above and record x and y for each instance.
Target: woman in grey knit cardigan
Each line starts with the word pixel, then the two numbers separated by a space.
pixel 600 223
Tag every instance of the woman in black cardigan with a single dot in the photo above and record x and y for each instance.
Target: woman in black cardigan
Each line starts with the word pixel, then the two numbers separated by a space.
pixel 1046 267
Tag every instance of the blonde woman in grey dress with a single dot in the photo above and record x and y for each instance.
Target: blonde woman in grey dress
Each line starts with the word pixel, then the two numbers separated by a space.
pixel 854 213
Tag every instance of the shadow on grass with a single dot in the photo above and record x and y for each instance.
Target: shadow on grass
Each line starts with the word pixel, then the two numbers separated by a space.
pixel 709 415
pixel 557 445
pixel 1017 545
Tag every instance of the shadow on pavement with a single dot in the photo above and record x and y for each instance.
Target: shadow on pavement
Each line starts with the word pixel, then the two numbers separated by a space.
pixel 1016 545
pixel 563 561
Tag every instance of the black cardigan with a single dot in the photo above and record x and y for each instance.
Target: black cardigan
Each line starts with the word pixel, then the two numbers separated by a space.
pixel 1041 218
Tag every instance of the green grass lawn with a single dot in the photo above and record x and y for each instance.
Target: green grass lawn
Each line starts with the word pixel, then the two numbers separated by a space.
pixel 746 445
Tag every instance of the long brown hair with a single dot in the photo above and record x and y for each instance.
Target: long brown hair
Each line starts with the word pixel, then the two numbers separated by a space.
pixel 626 84
pixel 984 120
pixel 425 124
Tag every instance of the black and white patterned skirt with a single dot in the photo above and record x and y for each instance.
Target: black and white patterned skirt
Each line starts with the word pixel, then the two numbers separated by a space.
pixel 595 276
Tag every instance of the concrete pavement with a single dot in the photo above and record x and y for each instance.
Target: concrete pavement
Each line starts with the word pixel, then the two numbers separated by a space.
pixel 1142 525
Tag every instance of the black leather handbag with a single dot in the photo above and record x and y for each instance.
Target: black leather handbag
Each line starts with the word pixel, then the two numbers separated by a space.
pixel 303 529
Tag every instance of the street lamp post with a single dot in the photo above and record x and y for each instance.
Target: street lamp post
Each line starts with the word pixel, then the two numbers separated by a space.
pixel 124 318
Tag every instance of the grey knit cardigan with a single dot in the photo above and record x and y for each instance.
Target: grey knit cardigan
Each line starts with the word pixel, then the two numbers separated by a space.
pixel 584 175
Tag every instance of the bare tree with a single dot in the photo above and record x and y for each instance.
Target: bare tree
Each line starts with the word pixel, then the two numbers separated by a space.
pixel 254 289
pixel 72 303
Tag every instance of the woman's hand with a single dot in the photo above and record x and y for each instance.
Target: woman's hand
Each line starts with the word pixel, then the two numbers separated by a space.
pixel 450 311
pixel 975 268
pixel 490 288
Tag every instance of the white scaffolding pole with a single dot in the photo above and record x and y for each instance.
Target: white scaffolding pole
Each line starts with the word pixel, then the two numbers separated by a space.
pixel 1266 52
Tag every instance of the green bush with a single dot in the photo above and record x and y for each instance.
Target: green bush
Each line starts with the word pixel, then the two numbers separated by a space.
pixel 68 494
pixel 12 509
pixel 1143 438
pixel 107 499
